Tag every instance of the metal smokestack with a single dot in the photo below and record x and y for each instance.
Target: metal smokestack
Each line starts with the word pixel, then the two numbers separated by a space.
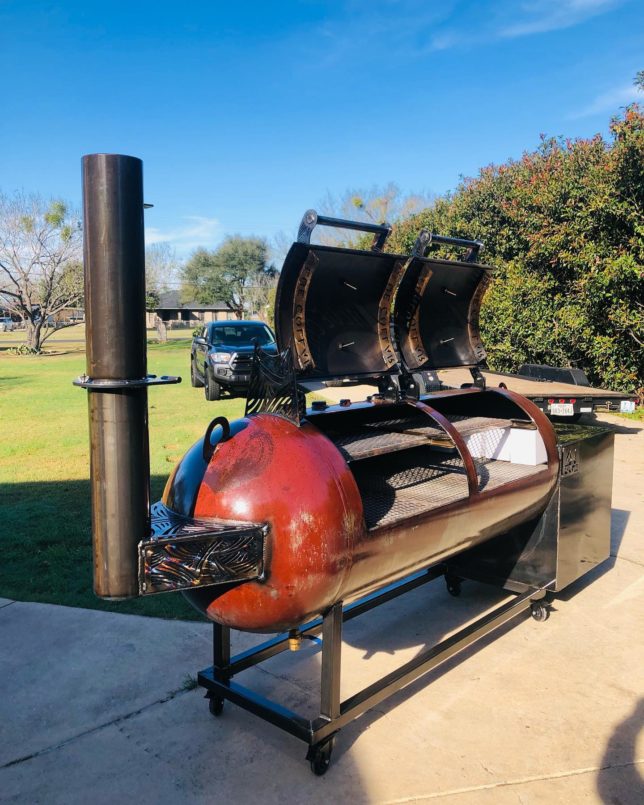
pixel 114 258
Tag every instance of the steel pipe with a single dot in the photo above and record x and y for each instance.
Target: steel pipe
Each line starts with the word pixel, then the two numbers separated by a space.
pixel 114 261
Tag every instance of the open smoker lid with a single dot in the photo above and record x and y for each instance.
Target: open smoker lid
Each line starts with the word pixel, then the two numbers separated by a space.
pixel 337 308
pixel 334 308
pixel 436 313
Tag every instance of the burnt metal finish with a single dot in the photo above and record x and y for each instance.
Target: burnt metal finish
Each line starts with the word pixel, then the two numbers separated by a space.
pixel 295 480
pixel 338 529
pixel 311 219
pixel 114 258
pixel 333 311
pixel 436 313
pixel 319 732
pixel 182 553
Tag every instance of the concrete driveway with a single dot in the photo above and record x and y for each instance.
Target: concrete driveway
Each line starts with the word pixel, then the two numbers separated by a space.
pixel 97 707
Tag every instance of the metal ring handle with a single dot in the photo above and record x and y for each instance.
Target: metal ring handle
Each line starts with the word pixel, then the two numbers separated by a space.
pixel 208 449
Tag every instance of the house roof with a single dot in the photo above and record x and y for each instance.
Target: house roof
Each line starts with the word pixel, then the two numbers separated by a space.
pixel 171 300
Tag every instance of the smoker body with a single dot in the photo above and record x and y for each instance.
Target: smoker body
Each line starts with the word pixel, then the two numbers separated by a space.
pixel 339 523
pixel 296 520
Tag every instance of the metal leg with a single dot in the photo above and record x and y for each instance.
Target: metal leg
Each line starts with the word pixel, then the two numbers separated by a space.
pixel 319 754
pixel 331 662
pixel 221 651
pixel 320 733
pixel 220 663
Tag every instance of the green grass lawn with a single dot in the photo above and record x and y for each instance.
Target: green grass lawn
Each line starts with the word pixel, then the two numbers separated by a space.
pixel 62 338
pixel 44 472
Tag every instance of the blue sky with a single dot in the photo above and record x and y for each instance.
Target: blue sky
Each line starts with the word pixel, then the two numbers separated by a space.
pixel 247 113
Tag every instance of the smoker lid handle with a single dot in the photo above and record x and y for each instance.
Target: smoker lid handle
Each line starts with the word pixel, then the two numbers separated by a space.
pixel 426 238
pixel 208 448
pixel 311 219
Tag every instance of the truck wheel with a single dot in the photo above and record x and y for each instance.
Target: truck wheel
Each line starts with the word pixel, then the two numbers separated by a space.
pixel 195 380
pixel 211 388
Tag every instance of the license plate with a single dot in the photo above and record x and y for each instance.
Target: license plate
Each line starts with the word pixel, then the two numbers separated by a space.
pixel 627 406
pixel 562 409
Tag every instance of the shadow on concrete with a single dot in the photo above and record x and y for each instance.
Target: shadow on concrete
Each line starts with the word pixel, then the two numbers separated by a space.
pixel 618 523
pixel 616 427
pixel 417 621
pixel 628 785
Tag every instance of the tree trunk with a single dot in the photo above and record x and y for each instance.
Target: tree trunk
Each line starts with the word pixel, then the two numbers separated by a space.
pixel 33 334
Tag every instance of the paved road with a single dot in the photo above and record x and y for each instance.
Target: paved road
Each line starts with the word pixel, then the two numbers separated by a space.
pixel 94 706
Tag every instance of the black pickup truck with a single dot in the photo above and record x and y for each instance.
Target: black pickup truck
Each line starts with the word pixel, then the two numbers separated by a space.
pixel 222 353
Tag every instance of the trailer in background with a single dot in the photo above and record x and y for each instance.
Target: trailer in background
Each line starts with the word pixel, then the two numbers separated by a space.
pixel 556 398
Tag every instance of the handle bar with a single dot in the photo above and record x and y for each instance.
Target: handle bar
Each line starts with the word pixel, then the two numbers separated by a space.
pixel 426 238
pixel 311 219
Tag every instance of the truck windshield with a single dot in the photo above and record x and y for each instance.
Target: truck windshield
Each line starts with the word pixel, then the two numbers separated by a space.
pixel 241 335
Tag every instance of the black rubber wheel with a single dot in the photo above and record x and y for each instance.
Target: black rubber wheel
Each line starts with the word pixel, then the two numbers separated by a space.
pixel 319 757
pixel 540 612
pixel 216 705
pixel 195 381
pixel 212 388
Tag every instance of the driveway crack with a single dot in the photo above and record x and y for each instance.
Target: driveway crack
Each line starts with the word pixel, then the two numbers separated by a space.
pixel 118 720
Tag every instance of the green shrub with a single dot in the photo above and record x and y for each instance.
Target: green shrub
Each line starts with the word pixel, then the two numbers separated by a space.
pixel 564 228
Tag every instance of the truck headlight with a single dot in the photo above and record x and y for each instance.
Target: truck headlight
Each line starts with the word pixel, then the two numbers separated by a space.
pixel 220 357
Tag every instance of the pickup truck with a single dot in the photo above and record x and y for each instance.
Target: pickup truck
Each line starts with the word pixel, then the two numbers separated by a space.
pixel 221 355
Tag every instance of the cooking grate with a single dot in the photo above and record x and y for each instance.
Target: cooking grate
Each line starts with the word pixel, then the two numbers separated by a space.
pixel 391 435
pixel 397 487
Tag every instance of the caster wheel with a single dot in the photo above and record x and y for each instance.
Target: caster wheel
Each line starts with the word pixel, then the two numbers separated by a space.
pixel 216 705
pixel 319 757
pixel 453 585
pixel 540 612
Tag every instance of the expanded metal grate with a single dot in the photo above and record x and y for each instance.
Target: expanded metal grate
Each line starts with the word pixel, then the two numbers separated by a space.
pixel 391 435
pixel 366 441
pixel 398 487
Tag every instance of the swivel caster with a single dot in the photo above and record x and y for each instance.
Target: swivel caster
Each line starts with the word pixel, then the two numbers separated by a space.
pixel 216 705
pixel 540 611
pixel 319 756
pixel 453 585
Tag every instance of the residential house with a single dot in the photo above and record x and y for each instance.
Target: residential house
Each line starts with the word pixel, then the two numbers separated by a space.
pixel 174 313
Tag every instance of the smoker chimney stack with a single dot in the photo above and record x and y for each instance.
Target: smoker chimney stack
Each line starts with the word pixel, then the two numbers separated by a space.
pixel 114 258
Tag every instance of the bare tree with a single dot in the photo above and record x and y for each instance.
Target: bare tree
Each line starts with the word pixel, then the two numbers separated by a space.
pixel 161 271
pixel 40 262
pixel 377 205
pixel 260 297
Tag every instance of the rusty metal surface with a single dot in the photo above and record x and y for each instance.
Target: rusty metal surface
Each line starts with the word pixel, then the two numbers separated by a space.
pixel 296 481
pixel 338 530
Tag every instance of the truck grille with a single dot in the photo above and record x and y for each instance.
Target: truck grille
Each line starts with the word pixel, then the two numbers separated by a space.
pixel 242 363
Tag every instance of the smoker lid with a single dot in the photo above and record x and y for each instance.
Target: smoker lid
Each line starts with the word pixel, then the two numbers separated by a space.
pixel 436 313
pixel 333 309
pixel 338 310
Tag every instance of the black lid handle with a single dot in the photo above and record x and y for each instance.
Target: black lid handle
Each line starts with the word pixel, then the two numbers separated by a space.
pixel 426 238
pixel 311 219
